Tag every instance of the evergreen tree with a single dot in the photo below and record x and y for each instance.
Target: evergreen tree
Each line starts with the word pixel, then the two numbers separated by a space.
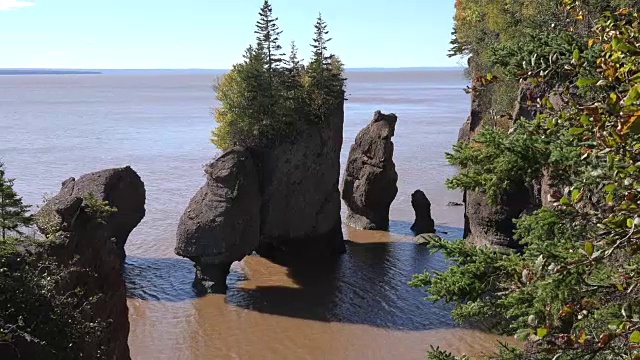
pixel 294 63
pixel 321 59
pixel 326 83
pixel 268 38
pixel 13 213
pixel 293 79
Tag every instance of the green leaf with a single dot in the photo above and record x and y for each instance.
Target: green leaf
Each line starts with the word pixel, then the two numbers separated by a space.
pixel 609 198
pixel 610 187
pixel 551 123
pixel 564 201
pixel 585 120
pixel 574 195
pixel 586 82
pixel 629 223
pixel 633 96
pixel 588 248
pixel 635 337
pixel 616 42
pixel 542 332
pixel 489 76
pixel 576 55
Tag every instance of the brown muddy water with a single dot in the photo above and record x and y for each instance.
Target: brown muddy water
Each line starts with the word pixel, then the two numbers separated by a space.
pixel 358 307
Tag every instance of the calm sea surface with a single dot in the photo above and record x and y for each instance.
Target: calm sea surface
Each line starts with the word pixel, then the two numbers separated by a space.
pixel 360 307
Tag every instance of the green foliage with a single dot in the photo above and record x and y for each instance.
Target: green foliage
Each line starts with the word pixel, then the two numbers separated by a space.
pixel 505 164
pixel 572 292
pixel 438 354
pixel 98 209
pixel 34 295
pixel 266 99
pixel 34 301
pixel 14 215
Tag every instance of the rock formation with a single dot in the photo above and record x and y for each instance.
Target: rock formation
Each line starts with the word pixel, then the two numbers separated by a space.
pixel 370 177
pixel 422 208
pixel 222 222
pixel 93 241
pixel 282 202
pixel 487 224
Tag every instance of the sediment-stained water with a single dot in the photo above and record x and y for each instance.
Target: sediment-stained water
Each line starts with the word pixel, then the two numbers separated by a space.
pixel 357 307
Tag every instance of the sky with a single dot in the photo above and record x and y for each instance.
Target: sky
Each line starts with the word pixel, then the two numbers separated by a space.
pixel 212 34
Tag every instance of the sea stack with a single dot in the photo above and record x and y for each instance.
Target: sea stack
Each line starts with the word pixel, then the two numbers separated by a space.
pixel 370 178
pixel 92 244
pixel 422 207
pixel 281 202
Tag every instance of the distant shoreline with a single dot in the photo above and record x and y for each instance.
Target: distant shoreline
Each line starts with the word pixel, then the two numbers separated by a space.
pixel 43 71
pixel 47 72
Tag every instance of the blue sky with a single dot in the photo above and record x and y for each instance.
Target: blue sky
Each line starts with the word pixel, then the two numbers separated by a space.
pixel 178 34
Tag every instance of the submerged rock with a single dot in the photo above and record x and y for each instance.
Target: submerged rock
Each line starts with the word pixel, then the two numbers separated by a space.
pixel 370 176
pixel 426 239
pixel 90 239
pixel 422 208
pixel 300 212
pixel 222 222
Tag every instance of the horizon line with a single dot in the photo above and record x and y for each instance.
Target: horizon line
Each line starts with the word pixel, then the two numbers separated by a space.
pixel 213 69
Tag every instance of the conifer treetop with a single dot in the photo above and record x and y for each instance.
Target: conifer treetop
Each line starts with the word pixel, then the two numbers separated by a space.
pixel 13 213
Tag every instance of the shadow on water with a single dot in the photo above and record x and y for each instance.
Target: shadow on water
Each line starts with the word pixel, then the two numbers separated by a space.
pixel 367 285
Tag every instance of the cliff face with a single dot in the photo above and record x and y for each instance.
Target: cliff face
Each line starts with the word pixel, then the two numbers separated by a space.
pixel 93 244
pixel 300 197
pixel 484 223
pixel 370 177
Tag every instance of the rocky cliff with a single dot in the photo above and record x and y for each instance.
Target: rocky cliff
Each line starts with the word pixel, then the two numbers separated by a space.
pixel 487 224
pixel 370 178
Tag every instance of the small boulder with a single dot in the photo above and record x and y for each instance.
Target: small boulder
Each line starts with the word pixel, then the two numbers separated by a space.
pixel 222 222
pixel 370 178
pixel 422 207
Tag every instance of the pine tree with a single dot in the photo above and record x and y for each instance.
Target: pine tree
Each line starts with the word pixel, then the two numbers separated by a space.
pixel 268 38
pixel 320 59
pixel 13 213
pixel 293 85
pixel 293 63
pixel 326 83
